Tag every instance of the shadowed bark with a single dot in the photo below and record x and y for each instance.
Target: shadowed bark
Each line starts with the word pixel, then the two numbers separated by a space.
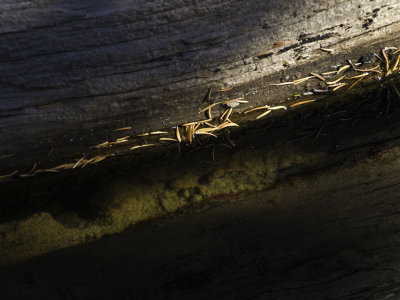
pixel 326 226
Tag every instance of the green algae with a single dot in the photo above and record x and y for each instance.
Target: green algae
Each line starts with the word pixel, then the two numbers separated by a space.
pixel 124 202
pixel 127 201
pixel 190 181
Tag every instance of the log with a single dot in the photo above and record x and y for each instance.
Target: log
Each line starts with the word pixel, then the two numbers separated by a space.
pixel 73 72
pixel 322 222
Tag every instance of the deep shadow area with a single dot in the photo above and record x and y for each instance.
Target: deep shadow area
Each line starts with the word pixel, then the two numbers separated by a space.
pixel 324 228
pixel 332 235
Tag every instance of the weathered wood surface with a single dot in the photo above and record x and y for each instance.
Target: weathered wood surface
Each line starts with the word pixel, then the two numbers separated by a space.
pixel 73 71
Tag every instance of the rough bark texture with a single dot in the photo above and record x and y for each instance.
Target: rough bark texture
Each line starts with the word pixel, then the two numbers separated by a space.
pixel 73 71
pixel 328 229
pixel 327 226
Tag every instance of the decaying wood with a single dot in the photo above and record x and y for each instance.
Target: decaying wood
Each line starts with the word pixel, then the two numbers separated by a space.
pixel 73 72
pixel 325 229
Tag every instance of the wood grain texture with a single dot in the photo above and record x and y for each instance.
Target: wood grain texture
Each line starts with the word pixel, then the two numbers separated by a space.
pixel 73 71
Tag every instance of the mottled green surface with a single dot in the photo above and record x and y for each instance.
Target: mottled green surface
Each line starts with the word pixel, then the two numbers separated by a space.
pixel 78 206
pixel 331 234
pixel 124 202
